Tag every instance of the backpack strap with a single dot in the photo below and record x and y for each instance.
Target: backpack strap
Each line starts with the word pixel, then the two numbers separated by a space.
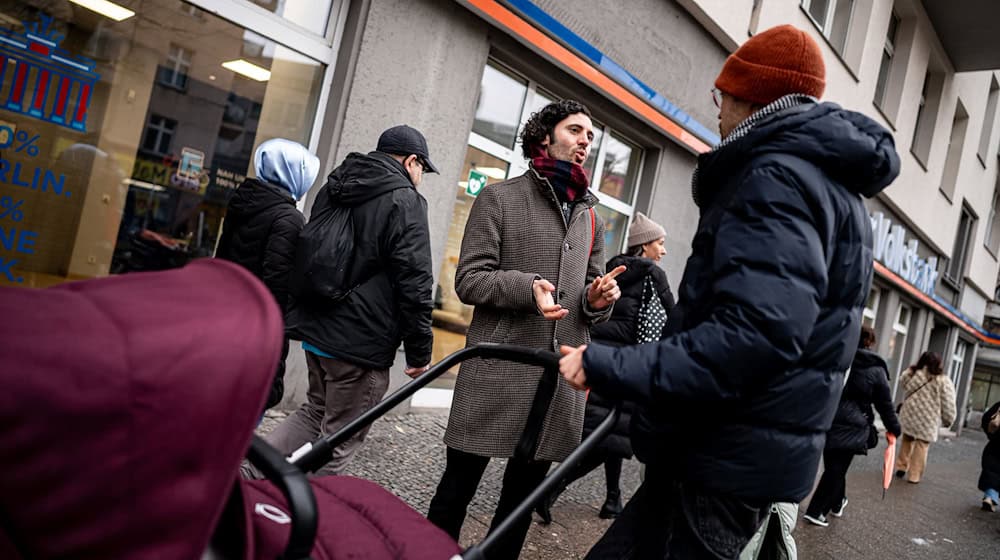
pixel 593 229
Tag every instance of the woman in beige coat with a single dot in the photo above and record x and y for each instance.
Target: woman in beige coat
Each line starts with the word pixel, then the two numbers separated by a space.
pixel 929 404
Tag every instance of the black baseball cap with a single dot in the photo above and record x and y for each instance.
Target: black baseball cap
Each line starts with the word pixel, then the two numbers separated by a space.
pixel 404 140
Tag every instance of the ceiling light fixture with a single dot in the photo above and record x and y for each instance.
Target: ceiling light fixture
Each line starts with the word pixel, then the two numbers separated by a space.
pixel 248 69
pixel 106 8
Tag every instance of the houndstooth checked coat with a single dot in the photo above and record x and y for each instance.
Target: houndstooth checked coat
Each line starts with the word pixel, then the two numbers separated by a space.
pixel 926 410
pixel 516 232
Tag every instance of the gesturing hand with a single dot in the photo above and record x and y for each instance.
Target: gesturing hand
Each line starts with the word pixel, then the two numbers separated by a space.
pixel 571 366
pixel 604 289
pixel 543 290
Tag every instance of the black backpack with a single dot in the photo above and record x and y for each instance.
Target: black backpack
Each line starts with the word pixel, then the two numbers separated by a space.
pixel 323 255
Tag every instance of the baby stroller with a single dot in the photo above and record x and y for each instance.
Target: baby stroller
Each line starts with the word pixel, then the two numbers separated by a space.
pixel 129 402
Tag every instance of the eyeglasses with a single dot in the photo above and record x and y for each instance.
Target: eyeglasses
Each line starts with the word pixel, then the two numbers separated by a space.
pixel 717 97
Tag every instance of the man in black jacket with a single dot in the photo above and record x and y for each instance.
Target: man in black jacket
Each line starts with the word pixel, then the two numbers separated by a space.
pixel 735 402
pixel 351 341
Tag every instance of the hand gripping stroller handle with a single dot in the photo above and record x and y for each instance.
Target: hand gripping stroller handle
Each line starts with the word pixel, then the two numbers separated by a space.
pixel 298 493
pixel 480 551
pixel 314 455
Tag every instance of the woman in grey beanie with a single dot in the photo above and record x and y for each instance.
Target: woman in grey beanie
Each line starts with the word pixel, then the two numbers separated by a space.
pixel 639 316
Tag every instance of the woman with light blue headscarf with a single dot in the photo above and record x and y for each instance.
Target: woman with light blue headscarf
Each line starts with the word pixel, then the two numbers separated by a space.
pixel 262 224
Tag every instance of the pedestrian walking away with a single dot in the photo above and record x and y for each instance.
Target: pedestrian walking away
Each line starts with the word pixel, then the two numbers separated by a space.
pixel 768 314
pixel 532 263
pixel 262 225
pixel 929 403
pixel 354 303
pixel 853 431
pixel 989 478
pixel 638 317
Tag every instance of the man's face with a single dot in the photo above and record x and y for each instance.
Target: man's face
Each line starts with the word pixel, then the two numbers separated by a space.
pixel 732 111
pixel 573 136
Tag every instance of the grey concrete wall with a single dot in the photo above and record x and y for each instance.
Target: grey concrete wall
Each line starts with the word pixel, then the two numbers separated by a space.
pixel 658 41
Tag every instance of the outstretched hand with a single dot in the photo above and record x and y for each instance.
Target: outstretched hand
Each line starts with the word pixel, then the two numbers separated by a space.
pixel 543 290
pixel 604 289
pixel 571 366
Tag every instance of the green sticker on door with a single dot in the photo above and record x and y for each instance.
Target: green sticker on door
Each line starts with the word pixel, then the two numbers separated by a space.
pixel 476 182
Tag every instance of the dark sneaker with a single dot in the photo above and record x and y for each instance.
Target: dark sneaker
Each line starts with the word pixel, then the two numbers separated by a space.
pixel 612 506
pixel 900 474
pixel 839 512
pixel 989 505
pixel 818 520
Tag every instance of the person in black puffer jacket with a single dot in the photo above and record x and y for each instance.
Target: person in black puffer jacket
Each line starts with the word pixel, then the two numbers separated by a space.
pixel 733 405
pixel 262 225
pixel 642 283
pixel 853 431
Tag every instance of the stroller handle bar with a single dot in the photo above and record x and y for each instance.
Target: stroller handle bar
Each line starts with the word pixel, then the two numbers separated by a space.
pixel 312 456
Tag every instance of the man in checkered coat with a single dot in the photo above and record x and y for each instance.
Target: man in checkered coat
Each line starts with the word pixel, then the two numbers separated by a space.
pixel 531 263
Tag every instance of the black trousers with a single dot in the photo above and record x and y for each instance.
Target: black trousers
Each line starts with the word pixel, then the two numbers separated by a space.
pixel 832 487
pixel 666 519
pixel 612 472
pixel 458 485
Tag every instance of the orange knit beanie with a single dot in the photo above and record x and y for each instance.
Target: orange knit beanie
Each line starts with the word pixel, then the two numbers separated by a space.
pixel 772 64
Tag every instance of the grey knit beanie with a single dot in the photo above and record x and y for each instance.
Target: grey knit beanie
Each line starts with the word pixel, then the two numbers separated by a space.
pixel 644 230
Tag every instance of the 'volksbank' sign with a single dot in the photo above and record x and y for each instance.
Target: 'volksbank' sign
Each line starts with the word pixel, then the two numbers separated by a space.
pixel 892 250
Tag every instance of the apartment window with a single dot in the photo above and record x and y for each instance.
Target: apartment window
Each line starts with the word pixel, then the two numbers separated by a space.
pixel 870 313
pixel 959 254
pixel 833 18
pixel 174 72
pixel 957 361
pixel 159 134
pixel 888 52
pixel 992 227
pixel 923 131
pixel 989 119
pixel 956 145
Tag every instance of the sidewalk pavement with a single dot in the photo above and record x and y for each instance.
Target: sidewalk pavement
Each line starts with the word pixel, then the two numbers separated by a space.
pixel 937 519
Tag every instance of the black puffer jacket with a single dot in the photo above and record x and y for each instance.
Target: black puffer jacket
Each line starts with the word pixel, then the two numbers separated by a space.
pixel 990 475
pixel 867 385
pixel 738 398
pixel 620 329
pixel 391 269
pixel 259 233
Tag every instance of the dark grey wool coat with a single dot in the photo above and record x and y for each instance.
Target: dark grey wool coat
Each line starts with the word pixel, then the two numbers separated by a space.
pixel 516 232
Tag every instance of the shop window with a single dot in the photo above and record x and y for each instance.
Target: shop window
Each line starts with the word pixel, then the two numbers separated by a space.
pixel 897 343
pixel 312 15
pixel 959 253
pixel 992 227
pixel 956 146
pixel 833 18
pixel 119 171
pixel 984 390
pixel 927 110
pixel 958 362
pixel 870 312
pixel 174 72
pixel 989 120
pixel 506 100
pixel 888 53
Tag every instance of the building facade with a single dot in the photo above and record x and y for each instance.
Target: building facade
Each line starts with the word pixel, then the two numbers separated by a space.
pixel 122 136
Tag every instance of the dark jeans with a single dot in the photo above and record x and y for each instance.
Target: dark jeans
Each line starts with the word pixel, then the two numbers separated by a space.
pixel 458 486
pixel 612 471
pixel 832 486
pixel 666 519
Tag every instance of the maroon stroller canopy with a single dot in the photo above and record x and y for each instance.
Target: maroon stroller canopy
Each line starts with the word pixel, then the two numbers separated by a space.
pixel 126 406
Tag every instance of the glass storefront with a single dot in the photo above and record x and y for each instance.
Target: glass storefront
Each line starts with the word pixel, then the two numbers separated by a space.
pixel 122 141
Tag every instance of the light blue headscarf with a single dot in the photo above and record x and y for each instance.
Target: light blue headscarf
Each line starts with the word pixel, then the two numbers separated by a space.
pixel 286 164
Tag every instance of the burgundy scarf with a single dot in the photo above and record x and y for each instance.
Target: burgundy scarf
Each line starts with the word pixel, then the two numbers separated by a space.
pixel 568 179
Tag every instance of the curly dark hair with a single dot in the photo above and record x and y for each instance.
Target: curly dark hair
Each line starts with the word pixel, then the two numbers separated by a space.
pixel 544 121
